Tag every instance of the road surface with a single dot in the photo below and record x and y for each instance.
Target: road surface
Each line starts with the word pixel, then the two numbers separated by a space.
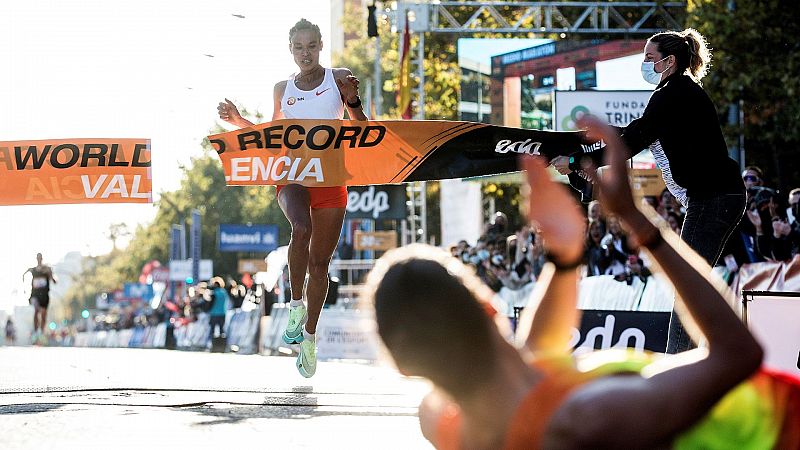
pixel 142 398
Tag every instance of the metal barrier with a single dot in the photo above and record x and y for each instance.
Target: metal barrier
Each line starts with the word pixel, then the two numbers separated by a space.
pixel 351 274
pixel 772 318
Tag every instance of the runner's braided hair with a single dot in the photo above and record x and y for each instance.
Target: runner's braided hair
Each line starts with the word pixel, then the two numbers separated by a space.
pixel 689 48
pixel 304 25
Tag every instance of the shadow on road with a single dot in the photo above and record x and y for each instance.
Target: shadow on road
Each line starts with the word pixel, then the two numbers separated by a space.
pixel 232 414
pixel 29 408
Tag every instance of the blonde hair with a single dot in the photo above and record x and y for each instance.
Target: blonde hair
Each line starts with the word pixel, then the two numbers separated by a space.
pixel 690 49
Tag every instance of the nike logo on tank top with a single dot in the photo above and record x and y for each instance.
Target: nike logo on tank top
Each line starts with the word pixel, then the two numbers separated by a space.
pixel 323 102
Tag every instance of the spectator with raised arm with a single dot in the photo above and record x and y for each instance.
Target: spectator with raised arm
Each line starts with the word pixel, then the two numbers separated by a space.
pixel 491 395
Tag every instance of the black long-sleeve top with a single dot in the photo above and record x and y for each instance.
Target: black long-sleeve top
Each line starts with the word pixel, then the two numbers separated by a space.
pixel 683 118
pixel 779 249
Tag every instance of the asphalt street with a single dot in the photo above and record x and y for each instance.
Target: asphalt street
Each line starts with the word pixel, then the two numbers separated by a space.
pixel 57 398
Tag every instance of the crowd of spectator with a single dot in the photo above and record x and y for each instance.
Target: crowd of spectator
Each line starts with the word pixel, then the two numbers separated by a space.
pixel 502 258
pixel 770 230
pixel 512 260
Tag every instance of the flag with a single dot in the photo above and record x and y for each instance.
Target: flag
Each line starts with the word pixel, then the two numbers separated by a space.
pixel 404 86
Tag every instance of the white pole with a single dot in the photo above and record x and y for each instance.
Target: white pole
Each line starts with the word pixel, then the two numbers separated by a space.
pixel 421 76
pixel 376 96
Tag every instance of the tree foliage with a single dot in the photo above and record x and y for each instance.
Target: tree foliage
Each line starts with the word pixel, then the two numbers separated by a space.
pixel 756 59
pixel 202 187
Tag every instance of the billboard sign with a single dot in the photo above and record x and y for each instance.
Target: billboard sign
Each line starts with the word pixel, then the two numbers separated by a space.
pixel 617 108
pixel 180 270
pixel 252 266
pixel 141 291
pixel 375 240
pixel 247 238
pixel 377 202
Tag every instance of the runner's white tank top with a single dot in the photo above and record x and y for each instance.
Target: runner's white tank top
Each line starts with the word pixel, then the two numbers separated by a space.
pixel 324 102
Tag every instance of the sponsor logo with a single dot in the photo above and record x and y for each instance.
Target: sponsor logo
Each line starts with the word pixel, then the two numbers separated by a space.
pixel 528 146
pixel 588 148
pixel 340 335
pixel 322 92
pixel 246 238
pixel 368 201
pixel 622 112
pixel 292 100
pixel 628 338
pixel 570 122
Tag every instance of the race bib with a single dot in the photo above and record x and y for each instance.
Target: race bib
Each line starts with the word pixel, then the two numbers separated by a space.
pixel 39 282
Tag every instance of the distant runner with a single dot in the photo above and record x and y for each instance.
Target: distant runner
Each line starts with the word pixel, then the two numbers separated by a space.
pixel 42 275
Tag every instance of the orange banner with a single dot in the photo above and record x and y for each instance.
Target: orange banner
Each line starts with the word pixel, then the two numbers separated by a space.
pixel 351 153
pixel 75 171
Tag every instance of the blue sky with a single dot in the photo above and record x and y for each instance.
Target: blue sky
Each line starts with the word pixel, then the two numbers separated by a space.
pixel 482 50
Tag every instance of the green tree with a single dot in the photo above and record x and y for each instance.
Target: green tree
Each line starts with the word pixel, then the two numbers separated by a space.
pixel 98 274
pixel 202 187
pixel 442 80
pixel 756 59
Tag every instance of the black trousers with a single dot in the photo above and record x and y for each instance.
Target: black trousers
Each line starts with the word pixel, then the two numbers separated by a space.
pixel 708 224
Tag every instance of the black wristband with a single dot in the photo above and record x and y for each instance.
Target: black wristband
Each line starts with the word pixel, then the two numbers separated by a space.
pixel 562 266
pixel 357 103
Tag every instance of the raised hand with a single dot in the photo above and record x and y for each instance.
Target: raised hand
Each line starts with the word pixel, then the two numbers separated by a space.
pixel 555 212
pixel 348 88
pixel 229 113
pixel 754 217
pixel 781 228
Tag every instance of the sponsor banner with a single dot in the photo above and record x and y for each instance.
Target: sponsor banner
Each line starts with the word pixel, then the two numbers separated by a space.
pixel 540 51
pixel 602 329
pixel 75 171
pixel 377 202
pixel 618 108
pixel 252 266
pixel 180 270
pixel 247 238
pixel 351 153
pixel 343 334
pixel 347 335
pixel 138 291
pixel 374 240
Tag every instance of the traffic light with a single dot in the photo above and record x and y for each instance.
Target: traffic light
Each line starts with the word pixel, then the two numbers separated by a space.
pixel 189 280
pixel 85 313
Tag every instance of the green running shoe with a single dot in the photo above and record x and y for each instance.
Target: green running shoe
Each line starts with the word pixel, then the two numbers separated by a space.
pixel 307 359
pixel 294 328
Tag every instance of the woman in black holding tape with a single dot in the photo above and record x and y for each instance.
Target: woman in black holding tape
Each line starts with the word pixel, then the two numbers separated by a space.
pixel 681 127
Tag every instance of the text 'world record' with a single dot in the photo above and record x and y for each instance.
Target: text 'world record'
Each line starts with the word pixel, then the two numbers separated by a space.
pixel 75 171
